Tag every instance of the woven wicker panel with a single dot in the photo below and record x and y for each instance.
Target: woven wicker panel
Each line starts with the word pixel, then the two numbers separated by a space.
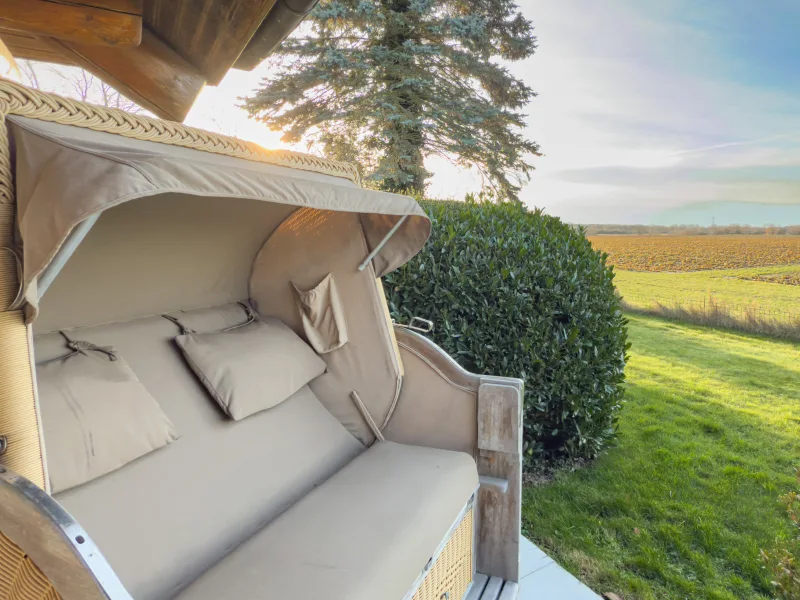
pixel 452 571
pixel 16 99
pixel 18 419
pixel 7 214
pixel 8 266
pixel 20 579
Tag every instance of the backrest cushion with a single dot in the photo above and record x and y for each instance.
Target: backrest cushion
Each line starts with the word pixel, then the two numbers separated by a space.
pixel 165 518
pixel 302 252
pixel 96 415
pixel 159 254
pixel 251 367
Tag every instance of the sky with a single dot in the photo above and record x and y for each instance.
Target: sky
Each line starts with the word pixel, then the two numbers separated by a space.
pixel 648 111
pixel 666 111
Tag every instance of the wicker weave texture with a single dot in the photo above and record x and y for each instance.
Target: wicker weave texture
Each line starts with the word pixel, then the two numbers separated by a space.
pixel 18 419
pixel 20 578
pixel 16 99
pixel 451 574
pixel 9 283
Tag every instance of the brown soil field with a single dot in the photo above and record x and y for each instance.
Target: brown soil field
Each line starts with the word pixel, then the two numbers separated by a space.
pixel 697 253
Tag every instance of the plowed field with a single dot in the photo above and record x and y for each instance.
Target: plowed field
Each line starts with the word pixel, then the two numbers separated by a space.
pixel 697 253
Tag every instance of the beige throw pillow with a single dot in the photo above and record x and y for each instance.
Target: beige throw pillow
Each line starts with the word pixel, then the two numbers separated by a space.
pixel 253 367
pixel 96 415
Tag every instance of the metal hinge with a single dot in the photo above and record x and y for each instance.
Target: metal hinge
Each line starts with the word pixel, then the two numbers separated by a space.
pixel 417 324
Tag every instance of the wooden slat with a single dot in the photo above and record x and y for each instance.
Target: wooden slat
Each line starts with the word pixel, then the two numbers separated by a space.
pixel 478 585
pixel 210 34
pixel 510 591
pixel 152 74
pixel 101 22
pixel 493 588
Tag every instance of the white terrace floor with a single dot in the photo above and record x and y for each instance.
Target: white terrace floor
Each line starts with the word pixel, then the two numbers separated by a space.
pixel 541 578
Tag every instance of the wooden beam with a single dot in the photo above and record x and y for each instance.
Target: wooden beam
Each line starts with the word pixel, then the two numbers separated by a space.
pixel 90 22
pixel 152 74
pixel 209 34
pixel 8 66
pixel 27 46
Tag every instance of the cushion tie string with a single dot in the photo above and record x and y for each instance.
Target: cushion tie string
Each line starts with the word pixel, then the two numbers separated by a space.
pixel 82 347
pixel 184 330
pixel 251 316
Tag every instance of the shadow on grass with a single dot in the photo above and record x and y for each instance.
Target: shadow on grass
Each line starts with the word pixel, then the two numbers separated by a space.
pixel 716 361
pixel 683 503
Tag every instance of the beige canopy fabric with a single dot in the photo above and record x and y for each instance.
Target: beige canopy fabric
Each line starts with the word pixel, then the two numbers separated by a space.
pixel 67 175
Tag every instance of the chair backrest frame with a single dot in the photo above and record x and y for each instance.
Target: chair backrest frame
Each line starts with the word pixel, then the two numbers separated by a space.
pixel 56 544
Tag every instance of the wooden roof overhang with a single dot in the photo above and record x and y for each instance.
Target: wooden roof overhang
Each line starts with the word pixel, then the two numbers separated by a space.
pixel 159 53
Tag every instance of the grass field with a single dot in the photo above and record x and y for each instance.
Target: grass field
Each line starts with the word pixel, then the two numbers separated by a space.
pixel 751 283
pixel 734 287
pixel 680 507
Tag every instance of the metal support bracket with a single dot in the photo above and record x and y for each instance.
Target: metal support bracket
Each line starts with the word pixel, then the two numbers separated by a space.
pixel 382 243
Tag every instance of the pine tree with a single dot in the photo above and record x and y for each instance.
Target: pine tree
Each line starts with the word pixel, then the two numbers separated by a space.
pixel 384 83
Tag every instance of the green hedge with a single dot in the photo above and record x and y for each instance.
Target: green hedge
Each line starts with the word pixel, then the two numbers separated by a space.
pixel 518 293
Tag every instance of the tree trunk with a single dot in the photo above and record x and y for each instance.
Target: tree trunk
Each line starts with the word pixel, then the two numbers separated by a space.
pixel 408 139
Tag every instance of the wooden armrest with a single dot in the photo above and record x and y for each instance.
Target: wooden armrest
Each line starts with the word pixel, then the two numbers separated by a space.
pixel 500 466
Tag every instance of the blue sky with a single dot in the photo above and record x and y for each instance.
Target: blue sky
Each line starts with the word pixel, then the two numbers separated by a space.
pixel 666 111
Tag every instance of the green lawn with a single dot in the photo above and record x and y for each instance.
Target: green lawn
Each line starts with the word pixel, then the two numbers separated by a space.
pixel 679 508
pixel 724 285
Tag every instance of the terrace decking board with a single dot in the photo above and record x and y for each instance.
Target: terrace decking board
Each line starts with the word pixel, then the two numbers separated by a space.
pixel 493 589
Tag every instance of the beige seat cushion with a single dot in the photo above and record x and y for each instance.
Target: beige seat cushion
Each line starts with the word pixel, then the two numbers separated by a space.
pixel 164 519
pixel 251 367
pixel 96 415
pixel 366 533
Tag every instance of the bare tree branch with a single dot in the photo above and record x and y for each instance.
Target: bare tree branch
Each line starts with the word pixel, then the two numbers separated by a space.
pixel 29 75
pixel 75 83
